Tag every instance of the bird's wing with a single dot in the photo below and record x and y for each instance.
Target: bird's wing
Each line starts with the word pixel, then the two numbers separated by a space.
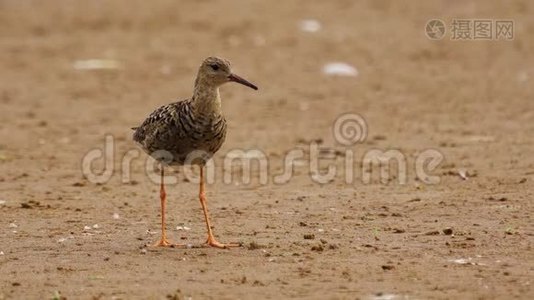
pixel 160 118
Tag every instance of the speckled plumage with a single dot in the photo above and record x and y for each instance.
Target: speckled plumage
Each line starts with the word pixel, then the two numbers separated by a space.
pixel 179 129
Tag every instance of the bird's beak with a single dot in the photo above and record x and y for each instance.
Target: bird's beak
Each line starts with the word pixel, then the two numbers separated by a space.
pixel 235 78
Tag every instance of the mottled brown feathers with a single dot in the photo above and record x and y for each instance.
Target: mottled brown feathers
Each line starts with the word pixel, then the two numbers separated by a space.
pixel 178 129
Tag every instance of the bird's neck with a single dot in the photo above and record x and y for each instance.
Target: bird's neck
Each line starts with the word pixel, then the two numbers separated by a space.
pixel 206 99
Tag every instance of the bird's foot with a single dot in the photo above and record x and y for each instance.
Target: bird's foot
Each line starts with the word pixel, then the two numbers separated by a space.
pixel 164 242
pixel 211 242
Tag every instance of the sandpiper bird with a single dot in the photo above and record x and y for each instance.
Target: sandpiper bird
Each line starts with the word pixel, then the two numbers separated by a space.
pixel 190 132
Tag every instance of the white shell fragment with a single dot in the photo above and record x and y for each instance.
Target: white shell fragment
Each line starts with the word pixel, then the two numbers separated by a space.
pixel 339 69
pixel 96 64
pixel 182 228
pixel 463 174
pixel 461 261
pixel 310 25
pixel 2 202
pixel 64 239
pixel 13 225
pixel 466 261
pixel 116 216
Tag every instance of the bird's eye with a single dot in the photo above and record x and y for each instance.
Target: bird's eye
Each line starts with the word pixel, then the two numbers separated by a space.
pixel 214 67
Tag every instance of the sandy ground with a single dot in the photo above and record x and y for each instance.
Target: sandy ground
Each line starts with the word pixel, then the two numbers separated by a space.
pixel 62 235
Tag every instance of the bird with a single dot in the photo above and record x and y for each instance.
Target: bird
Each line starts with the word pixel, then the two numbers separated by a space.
pixel 190 132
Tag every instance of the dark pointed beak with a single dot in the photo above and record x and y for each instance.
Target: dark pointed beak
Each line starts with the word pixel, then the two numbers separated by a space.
pixel 235 78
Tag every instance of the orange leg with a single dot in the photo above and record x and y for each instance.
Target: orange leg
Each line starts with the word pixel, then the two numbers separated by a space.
pixel 163 242
pixel 211 239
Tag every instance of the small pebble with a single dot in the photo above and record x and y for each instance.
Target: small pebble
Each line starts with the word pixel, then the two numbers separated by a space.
pixel 317 248
pixel 254 246
pixel 116 216
pixel 447 231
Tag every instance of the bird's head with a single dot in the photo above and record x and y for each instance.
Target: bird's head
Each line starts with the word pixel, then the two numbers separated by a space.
pixel 216 71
